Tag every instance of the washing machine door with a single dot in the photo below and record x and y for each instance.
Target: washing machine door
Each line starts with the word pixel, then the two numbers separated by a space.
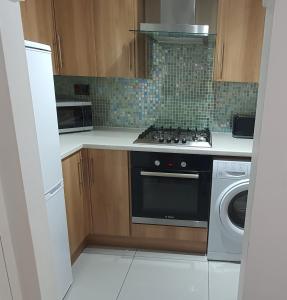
pixel 232 209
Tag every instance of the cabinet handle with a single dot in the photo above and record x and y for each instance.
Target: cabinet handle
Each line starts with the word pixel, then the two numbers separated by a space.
pixel 130 56
pixel 82 170
pixel 60 51
pixel 56 57
pixel 80 177
pixel 92 179
pixel 222 60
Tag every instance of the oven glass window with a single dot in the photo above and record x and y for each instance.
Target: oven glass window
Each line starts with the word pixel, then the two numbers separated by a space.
pixel 70 117
pixel 170 197
pixel 237 209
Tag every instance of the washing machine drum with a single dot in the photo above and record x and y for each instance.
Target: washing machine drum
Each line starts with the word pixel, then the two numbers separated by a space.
pixel 233 208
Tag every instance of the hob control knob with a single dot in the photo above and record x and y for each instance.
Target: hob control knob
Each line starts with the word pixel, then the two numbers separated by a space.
pixel 176 140
pixel 183 164
pixel 168 140
pixel 183 140
pixel 157 163
pixel 161 139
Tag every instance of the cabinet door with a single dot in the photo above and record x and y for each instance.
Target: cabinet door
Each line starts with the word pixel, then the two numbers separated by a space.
pixel 38 24
pixel 109 192
pixel 75 37
pixel 115 43
pixel 239 40
pixel 76 203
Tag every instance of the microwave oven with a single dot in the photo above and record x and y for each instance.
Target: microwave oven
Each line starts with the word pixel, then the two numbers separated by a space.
pixel 74 116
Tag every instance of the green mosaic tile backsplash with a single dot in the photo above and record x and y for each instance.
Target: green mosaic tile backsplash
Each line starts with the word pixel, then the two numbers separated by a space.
pixel 179 92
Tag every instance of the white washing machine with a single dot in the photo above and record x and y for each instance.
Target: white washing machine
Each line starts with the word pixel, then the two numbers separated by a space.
pixel 230 181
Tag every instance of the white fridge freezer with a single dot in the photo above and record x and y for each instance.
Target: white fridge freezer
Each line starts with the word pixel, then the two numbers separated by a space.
pixel 44 104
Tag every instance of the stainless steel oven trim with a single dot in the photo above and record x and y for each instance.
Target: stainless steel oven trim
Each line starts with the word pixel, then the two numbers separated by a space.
pixel 170 175
pixel 173 222
pixel 73 103
pixel 76 129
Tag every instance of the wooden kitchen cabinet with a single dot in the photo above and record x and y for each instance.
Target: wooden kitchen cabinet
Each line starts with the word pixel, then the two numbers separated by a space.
pixel 90 37
pixel 38 25
pixel 109 186
pixel 115 43
pixel 77 202
pixel 240 28
pixel 75 37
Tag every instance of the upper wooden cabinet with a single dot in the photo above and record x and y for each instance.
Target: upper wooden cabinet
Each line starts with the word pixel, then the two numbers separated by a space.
pixel 38 24
pixel 239 40
pixel 109 186
pixel 115 43
pixel 88 37
pixel 75 37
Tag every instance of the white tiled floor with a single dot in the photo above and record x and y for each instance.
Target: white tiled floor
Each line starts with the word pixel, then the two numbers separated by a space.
pixel 223 281
pixel 112 274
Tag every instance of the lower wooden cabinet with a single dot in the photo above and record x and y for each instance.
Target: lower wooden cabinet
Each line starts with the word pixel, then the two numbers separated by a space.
pixel 97 187
pixel 109 186
pixel 77 202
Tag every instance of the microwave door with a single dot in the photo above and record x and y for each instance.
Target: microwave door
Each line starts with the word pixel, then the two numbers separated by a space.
pixel 70 117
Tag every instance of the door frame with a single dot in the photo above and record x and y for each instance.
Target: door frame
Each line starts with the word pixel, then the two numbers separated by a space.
pixel 257 280
pixel 264 263
pixel 23 218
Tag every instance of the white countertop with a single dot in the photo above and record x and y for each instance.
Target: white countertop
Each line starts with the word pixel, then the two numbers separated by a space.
pixel 223 144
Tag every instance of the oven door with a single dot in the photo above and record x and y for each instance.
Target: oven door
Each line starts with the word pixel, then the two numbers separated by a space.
pixel 180 199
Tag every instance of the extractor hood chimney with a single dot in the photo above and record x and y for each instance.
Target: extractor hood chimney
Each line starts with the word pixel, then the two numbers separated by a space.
pixel 170 19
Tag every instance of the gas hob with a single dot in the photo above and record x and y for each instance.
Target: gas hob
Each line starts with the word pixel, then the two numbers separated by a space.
pixel 176 137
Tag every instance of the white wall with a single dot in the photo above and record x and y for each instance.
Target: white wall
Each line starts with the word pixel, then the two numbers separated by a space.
pixel 23 218
pixel 264 267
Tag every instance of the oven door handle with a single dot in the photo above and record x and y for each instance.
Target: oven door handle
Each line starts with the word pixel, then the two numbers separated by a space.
pixel 170 175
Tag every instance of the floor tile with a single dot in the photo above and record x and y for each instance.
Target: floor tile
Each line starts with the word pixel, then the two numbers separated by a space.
pixel 223 280
pixel 110 251
pixel 98 276
pixel 155 279
pixel 170 255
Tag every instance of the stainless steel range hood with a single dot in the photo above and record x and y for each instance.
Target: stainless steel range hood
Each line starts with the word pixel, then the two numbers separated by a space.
pixel 179 20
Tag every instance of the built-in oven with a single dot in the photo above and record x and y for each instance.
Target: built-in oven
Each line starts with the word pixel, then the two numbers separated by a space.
pixel 171 189
pixel 74 116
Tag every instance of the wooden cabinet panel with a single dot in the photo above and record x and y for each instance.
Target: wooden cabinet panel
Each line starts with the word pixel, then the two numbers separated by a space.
pixel 75 37
pixel 239 40
pixel 172 237
pixel 109 192
pixel 77 205
pixel 38 24
pixel 115 44
pixel 169 233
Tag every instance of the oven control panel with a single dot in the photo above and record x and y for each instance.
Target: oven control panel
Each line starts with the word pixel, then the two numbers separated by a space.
pixel 171 161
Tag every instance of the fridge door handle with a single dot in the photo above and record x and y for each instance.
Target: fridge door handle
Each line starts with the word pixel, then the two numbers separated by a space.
pixel 54 190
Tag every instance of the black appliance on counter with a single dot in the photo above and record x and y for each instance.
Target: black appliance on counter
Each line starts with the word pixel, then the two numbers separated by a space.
pixel 243 126
pixel 171 189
